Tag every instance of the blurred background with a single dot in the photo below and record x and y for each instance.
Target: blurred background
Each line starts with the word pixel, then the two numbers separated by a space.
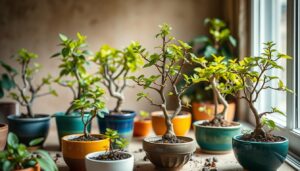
pixel 35 25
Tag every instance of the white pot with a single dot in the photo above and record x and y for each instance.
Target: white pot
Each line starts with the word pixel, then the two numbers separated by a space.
pixel 114 165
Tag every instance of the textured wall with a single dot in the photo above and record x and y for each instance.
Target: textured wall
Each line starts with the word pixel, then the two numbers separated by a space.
pixel 35 24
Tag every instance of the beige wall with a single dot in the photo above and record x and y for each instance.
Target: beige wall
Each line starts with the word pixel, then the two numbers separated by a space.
pixel 35 24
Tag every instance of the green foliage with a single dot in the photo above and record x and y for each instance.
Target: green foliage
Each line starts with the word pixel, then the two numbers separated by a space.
pixel 254 77
pixel 18 157
pixel 144 115
pixel 114 67
pixel 114 137
pixel 26 92
pixel 74 58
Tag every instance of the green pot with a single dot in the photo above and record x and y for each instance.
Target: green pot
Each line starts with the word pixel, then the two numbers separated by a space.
pixel 266 156
pixel 215 139
pixel 69 124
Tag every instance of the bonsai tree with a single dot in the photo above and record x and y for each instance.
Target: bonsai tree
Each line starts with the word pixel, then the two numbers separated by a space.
pixel 115 66
pixel 168 63
pixel 114 154
pixel 89 100
pixel 17 157
pixel 219 42
pixel 26 91
pixel 73 59
pixel 254 78
pixel 221 81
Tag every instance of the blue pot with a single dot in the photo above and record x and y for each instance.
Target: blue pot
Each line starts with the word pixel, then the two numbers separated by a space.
pixel 28 129
pixel 123 123
pixel 267 156
pixel 215 139
pixel 69 124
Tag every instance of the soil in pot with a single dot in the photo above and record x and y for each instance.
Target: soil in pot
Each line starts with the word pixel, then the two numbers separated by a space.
pixel 267 138
pixel 115 155
pixel 89 138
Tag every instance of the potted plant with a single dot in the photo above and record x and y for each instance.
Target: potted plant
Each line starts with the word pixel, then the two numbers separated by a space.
pixel 219 42
pixel 142 124
pixel 113 159
pixel 114 68
pixel 215 136
pixel 76 146
pixel 29 125
pixel 169 150
pixel 18 158
pixel 73 71
pixel 251 148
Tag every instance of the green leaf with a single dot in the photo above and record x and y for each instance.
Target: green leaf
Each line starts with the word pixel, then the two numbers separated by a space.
pixel 55 55
pixel 276 110
pixel 12 139
pixel 36 141
pixel 62 37
pixel 7 166
pixel 232 41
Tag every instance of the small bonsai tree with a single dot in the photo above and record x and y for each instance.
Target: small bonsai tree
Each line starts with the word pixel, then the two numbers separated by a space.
pixel 169 63
pixel 112 153
pixel 89 100
pixel 221 81
pixel 17 157
pixel 114 68
pixel 26 91
pixel 73 59
pixel 254 78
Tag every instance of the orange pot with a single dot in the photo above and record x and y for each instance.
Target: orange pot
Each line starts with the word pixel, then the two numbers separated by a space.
pixel 181 123
pixel 205 111
pixel 3 135
pixel 74 152
pixel 35 168
pixel 142 128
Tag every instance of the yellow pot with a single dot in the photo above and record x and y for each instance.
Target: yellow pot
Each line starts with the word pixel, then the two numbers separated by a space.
pixel 181 123
pixel 74 152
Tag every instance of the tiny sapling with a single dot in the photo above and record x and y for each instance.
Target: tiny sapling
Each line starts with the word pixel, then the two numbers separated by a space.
pixel 17 157
pixel 254 77
pixel 26 91
pixel 168 63
pixel 114 68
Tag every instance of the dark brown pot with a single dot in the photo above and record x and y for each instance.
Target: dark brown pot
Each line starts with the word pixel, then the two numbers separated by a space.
pixel 3 135
pixel 7 108
pixel 169 155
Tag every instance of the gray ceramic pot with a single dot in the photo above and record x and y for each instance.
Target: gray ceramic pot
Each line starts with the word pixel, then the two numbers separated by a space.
pixel 169 155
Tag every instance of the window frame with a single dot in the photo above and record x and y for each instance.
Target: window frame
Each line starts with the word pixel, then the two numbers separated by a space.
pixel 259 9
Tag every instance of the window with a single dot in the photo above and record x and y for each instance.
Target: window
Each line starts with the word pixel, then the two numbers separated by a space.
pixel 278 21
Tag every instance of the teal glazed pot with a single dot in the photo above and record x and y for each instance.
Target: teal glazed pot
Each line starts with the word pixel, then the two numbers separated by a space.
pixel 215 140
pixel 28 129
pixel 69 124
pixel 123 123
pixel 266 156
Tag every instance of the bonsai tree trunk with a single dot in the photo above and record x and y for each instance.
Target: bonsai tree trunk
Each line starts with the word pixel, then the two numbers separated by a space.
pixel 258 131
pixel 219 116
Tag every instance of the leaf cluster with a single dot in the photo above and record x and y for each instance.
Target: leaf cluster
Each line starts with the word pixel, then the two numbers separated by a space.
pixel 18 157
pixel 114 137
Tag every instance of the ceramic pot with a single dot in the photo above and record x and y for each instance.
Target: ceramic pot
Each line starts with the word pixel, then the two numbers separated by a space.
pixel 216 140
pixel 267 156
pixel 69 124
pixel 8 108
pixel 114 165
pixel 35 168
pixel 28 129
pixel 3 135
pixel 142 128
pixel 123 123
pixel 181 123
pixel 167 155
pixel 205 111
pixel 74 152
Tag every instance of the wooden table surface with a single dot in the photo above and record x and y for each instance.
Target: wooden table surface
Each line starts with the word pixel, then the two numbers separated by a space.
pixel 226 162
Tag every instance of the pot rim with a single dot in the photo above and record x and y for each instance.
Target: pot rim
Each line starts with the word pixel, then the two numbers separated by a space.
pixel 126 115
pixel 63 114
pixel 159 113
pixel 87 157
pixel 236 138
pixel 148 121
pixel 210 103
pixel 171 144
pixel 66 138
pixel 17 118
pixel 3 125
pixel 196 124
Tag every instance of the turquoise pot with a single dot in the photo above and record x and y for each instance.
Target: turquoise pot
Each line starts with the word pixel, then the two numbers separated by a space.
pixel 28 129
pixel 123 123
pixel 69 124
pixel 215 139
pixel 267 156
